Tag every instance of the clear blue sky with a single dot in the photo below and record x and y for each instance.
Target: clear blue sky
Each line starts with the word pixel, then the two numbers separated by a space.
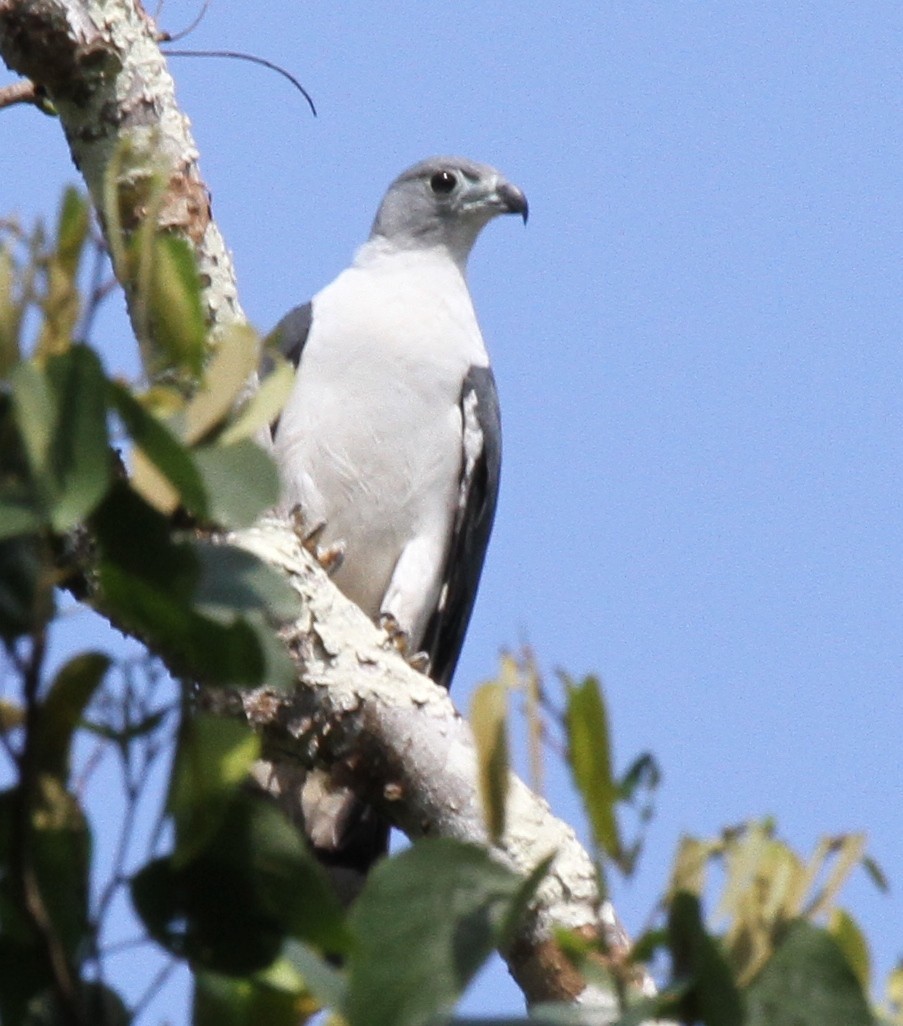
pixel 697 344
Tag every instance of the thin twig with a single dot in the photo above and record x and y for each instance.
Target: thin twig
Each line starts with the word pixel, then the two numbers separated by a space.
pixel 153 988
pixel 64 983
pixel 23 91
pixel 121 946
pixel 132 786
pixel 166 37
pixel 252 59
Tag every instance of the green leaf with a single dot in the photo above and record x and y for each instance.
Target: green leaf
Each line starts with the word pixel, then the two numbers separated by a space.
pixel 589 756
pixel 226 1001
pixel 264 406
pixel 656 1009
pixel 11 309
pixel 241 481
pixel 61 710
pixel 20 504
pixel 852 943
pixel 807 982
pixel 174 304
pixel 275 889
pixel 712 998
pixel 36 415
pixel 875 873
pixel 213 758
pixel 18 518
pixel 691 864
pixel 425 922
pixel 895 987
pixel 137 539
pixel 81 448
pixel 233 655
pixel 26 594
pixel 96 1003
pixel 488 708
pixel 25 974
pixel 542 1015
pixel 166 592
pixel 230 370
pixel 59 846
pixel 61 301
pixel 184 910
pixel 161 450
pixel 72 230
pixel 647 945
pixel 643 775
pixel 60 414
pixel 234 580
pixel 323 980
pixel 62 420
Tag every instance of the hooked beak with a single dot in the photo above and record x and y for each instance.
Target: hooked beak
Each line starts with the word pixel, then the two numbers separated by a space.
pixel 513 200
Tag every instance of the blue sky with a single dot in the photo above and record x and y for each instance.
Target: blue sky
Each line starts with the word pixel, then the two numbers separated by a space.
pixel 697 344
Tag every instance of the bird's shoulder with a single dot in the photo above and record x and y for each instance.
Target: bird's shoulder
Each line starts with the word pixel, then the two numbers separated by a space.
pixel 397 304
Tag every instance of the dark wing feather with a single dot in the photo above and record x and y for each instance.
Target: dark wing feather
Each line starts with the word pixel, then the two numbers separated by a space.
pixel 445 631
pixel 290 336
pixel 292 331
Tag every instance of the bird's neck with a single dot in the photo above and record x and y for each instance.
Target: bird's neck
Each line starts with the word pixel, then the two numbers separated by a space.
pixel 380 251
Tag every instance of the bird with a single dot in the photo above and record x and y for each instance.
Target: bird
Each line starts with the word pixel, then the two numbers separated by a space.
pixel 389 445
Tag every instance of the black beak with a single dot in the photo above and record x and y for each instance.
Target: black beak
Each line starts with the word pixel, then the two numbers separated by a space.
pixel 514 200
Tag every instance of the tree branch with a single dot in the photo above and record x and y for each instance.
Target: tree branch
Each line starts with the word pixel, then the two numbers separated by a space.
pixel 100 66
pixel 20 92
pixel 399 742
pixel 357 704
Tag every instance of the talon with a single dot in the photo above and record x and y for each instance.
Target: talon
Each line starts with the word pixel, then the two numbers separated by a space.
pixel 330 557
pixel 398 638
pixel 420 661
pixel 307 534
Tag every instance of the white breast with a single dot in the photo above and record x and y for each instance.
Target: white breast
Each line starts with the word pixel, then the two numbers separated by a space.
pixel 370 441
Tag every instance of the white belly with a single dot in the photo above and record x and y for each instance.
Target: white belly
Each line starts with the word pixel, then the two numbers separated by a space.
pixel 370 441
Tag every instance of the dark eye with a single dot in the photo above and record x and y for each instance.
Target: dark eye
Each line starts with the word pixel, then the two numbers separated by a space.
pixel 443 182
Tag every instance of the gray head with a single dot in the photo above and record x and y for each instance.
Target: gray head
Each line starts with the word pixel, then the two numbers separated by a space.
pixel 444 201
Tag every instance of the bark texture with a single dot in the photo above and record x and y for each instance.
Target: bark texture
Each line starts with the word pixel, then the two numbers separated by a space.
pixel 394 734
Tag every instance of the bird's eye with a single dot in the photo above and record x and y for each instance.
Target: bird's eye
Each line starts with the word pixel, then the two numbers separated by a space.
pixel 443 182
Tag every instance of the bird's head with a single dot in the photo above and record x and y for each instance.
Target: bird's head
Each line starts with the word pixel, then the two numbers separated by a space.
pixel 444 201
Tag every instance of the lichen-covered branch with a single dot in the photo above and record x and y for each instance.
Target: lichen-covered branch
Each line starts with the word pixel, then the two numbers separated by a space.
pixel 357 706
pixel 99 65
pixel 397 739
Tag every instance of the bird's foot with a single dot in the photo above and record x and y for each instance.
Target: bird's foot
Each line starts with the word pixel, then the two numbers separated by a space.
pixel 400 640
pixel 330 557
pixel 419 661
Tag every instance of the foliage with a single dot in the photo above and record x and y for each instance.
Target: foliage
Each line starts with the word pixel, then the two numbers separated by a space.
pixel 134 546
pixel 228 885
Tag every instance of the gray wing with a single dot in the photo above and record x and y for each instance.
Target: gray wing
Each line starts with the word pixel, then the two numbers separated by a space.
pixel 445 631
pixel 292 331
pixel 290 336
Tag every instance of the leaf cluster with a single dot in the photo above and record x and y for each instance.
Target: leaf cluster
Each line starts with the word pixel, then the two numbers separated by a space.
pixel 781 951
pixel 236 894
pixel 138 547
pixel 194 464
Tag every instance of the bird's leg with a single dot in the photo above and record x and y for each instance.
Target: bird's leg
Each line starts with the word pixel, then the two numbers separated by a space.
pixel 400 640
pixel 329 557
